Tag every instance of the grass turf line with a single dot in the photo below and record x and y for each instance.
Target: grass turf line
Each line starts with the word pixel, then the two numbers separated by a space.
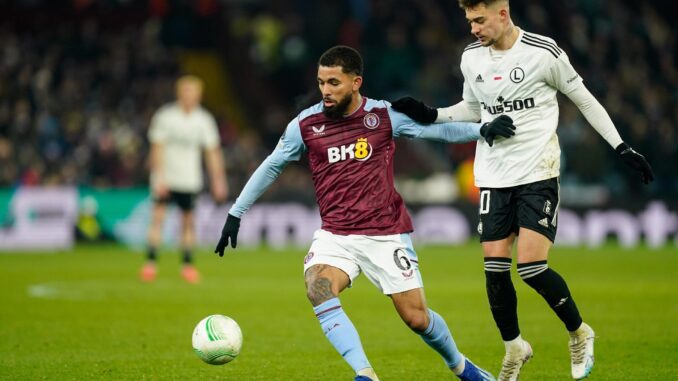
pixel 84 315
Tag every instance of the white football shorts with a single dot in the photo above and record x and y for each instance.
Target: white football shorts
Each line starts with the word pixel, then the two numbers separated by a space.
pixel 388 261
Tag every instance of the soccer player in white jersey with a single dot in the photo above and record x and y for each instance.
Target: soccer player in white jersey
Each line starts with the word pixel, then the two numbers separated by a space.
pixel 509 71
pixel 349 141
pixel 179 133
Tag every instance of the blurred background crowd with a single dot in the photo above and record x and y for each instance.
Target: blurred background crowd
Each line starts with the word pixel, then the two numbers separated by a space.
pixel 80 80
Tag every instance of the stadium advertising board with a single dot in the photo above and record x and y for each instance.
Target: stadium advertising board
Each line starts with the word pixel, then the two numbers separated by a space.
pixel 38 218
pixel 52 218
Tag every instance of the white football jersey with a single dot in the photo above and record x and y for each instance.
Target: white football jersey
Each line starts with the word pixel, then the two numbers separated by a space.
pixel 520 82
pixel 183 137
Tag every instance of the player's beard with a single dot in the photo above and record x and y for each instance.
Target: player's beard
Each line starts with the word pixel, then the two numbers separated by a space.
pixel 338 110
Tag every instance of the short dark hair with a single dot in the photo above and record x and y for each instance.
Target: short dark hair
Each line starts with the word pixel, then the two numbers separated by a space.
pixel 348 58
pixel 472 3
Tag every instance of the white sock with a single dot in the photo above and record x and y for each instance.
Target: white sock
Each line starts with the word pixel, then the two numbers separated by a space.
pixel 514 344
pixel 368 372
pixel 459 369
pixel 583 329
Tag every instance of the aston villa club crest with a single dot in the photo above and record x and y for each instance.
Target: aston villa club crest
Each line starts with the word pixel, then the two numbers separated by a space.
pixel 371 121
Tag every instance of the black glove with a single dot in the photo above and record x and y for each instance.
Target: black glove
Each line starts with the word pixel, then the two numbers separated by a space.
pixel 501 126
pixel 415 109
pixel 636 161
pixel 230 230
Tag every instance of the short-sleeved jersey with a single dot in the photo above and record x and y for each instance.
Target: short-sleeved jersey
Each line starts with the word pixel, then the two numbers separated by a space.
pixel 522 83
pixel 183 136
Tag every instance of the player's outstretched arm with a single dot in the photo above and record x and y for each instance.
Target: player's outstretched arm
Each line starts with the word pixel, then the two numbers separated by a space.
pixel 267 172
pixel 425 114
pixel 636 161
pixel 452 132
pixel 290 148
pixel 417 110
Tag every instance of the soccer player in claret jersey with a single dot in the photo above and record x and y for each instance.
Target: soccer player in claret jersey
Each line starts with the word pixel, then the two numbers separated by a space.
pixel 350 144
pixel 509 71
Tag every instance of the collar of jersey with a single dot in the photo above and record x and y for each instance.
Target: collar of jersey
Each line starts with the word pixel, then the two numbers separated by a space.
pixel 504 53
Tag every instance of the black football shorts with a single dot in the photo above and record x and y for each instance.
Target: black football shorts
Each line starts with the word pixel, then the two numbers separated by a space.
pixel 532 206
pixel 184 200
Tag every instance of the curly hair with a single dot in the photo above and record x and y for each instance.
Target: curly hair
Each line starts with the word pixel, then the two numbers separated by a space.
pixel 472 3
pixel 348 58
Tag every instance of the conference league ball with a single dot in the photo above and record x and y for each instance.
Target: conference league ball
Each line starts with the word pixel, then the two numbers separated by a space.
pixel 217 339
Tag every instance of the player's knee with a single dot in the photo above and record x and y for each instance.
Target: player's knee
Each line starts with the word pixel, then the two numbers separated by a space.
pixel 319 290
pixel 416 320
pixel 531 271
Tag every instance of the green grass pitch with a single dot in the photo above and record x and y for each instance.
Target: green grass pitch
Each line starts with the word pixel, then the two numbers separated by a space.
pixel 83 315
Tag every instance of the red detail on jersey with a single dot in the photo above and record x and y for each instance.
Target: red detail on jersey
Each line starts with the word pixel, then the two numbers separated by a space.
pixel 356 194
pixel 497 78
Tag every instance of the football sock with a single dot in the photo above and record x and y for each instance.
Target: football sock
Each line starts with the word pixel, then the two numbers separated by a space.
pixel 339 330
pixel 459 369
pixel 438 337
pixel 187 256
pixel 553 289
pixel 511 344
pixel 502 296
pixel 368 372
pixel 151 253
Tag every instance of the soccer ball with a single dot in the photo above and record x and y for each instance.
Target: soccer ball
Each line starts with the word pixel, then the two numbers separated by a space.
pixel 217 339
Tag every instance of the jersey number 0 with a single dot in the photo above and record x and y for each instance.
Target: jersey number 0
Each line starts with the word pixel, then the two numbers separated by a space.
pixel 485 201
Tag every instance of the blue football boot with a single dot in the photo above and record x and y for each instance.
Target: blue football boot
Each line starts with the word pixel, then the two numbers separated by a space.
pixel 473 373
